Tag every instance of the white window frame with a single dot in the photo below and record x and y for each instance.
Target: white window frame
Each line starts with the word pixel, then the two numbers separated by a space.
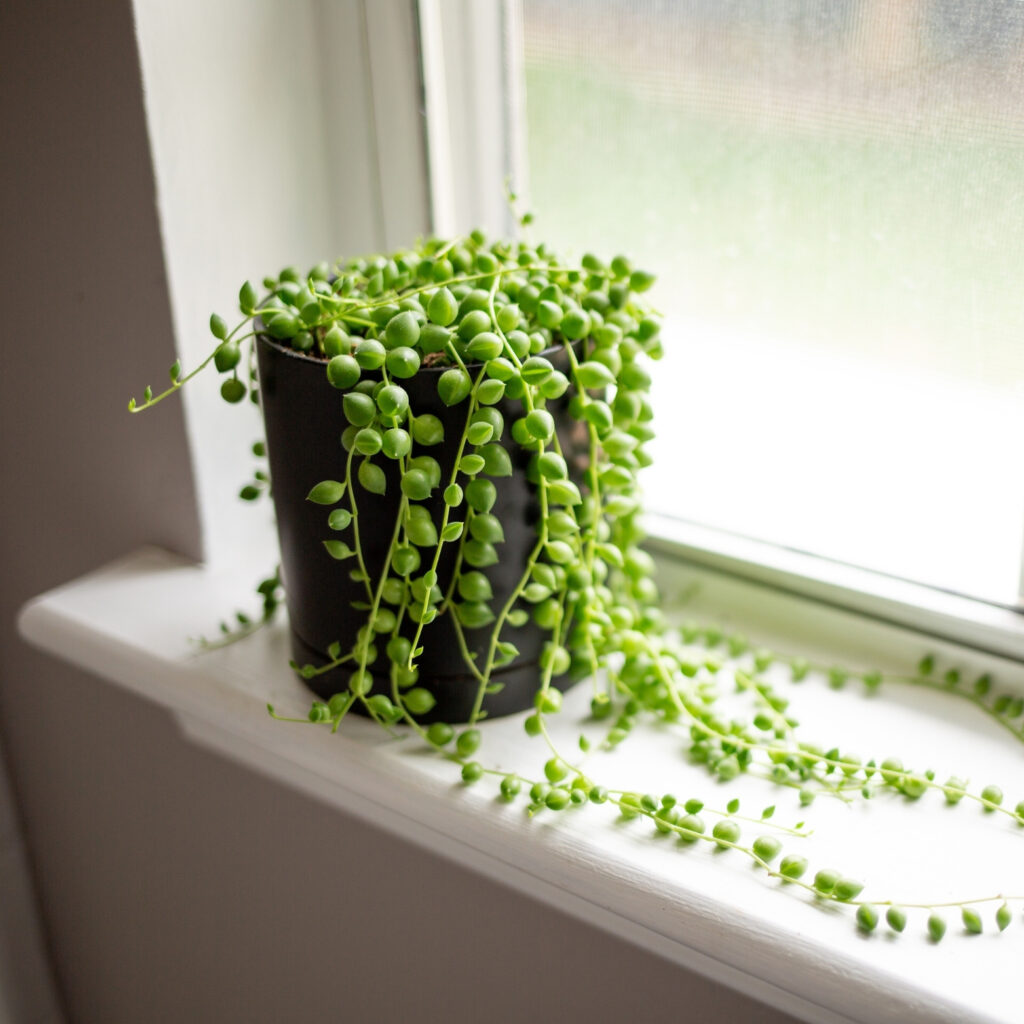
pixel 474 105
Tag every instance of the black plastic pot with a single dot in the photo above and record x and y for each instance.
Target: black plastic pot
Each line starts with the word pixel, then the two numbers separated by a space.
pixel 304 422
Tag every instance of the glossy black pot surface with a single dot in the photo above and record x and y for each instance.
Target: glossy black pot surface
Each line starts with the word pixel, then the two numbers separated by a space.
pixel 304 421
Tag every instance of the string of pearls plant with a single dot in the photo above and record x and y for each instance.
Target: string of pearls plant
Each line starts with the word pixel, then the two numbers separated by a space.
pixel 490 314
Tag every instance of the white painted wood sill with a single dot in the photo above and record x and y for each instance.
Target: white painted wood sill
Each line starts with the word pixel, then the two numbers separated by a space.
pixel 130 623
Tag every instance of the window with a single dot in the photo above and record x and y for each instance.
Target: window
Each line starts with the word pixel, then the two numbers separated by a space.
pixel 830 194
pixel 827 191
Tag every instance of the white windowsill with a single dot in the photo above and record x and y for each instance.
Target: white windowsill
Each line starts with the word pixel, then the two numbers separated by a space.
pixel 710 912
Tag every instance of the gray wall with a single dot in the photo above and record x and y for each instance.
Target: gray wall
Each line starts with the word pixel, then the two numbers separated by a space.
pixel 174 886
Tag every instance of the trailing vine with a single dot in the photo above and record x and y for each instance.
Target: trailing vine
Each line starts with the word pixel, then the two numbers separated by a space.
pixel 245 623
pixel 568 344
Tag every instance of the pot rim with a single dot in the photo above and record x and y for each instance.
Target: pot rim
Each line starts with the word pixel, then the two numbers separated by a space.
pixel 435 368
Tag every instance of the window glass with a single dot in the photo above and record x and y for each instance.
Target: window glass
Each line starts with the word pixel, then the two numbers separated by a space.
pixel 831 196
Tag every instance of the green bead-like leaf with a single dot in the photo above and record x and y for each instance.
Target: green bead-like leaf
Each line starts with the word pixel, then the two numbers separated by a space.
pixel 502 370
pixel 368 441
pixel 227 357
pixel 598 415
pixel 593 375
pixel 481 494
pixel 381 705
pixel 620 506
pixel 339 519
pixel 416 485
pixel 430 466
pixel 552 466
pixel 442 308
pixel 422 533
pixel 327 492
pixel 1003 917
pixel 396 443
pixel 826 881
pixel 451 532
pixel 896 919
pixel 641 280
pixel 485 345
pixel 338 549
pixel 872 680
pixel 247 298
pixel 497 461
pixel 336 343
pixel 359 409
pixel 372 478
pixel 418 701
pixel 559 552
pixel 540 424
pixel 370 354
pixel 490 392
pixel 405 560
pixel 393 401
pixel 726 832
pixel 792 866
pixel 427 430
pixel 479 554
pixel 475 322
pixel 479 433
pixel 434 338
pixel 486 528
pixel 971 920
pixel 556 658
pixel 468 742
pixel 767 848
pixel 474 614
pixel 954 789
pixel 343 371
pixel 992 797
pixel 867 917
pixel 403 362
pixel 691 828
pixel 402 331
pixel 283 326
pixel 575 325
pixel 454 386
pixel 440 734
pixel 475 586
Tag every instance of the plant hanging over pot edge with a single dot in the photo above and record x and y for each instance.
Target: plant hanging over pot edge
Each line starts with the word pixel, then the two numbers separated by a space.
pixel 505 333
